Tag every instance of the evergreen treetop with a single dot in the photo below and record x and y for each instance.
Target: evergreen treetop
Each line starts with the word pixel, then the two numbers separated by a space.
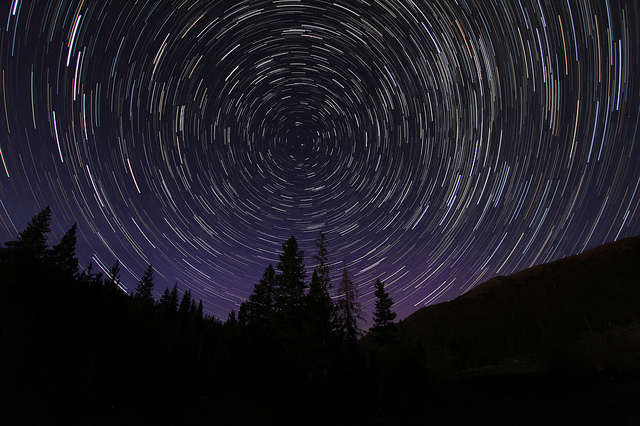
pixel 145 286
pixel 349 309
pixel 257 310
pixel 113 280
pixel 63 255
pixel 292 274
pixel 169 298
pixel 322 260
pixel 33 240
pixel 383 327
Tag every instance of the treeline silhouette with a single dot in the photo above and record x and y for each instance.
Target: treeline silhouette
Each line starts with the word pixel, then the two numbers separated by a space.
pixel 75 345
pixel 75 348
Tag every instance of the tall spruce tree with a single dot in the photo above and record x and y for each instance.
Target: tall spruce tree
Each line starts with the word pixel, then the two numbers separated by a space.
pixel 349 310
pixel 175 297
pixel 185 304
pixel 164 299
pixel 320 307
pixel 256 313
pixel 322 260
pixel 199 312
pixel 145 286
pixel 291 285
pixel 383 329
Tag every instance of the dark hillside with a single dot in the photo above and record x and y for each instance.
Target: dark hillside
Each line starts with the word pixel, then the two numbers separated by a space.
pixel 554 344
pixel 580 313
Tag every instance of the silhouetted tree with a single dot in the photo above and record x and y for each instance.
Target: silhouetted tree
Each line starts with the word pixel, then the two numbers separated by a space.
pixel 349 310
pixel 81 339
pixel 319 307
pixel 169 299
pixel 175 297
pixel 113 280
pixel 63 255
pixel 290 289
pixel 145 286
pixel 185 305
pixel 21 260
pixel 195 316
pixel 89 277
pixel 291 283
pixel 199 310
pixel 256 313
pixel 320 325
pixel 164 299
pixel 384 331
pixel 230 328
pixel 321 312
pixel 33 240
pixel 322 261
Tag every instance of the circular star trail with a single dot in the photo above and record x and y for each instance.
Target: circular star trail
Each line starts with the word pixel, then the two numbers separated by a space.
pixel 436 143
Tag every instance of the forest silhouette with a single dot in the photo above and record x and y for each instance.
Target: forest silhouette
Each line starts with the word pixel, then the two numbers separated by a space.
pixel 76 344
pixel 76 348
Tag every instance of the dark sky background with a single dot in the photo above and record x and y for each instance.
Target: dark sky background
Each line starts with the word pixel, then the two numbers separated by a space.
pixel 436 143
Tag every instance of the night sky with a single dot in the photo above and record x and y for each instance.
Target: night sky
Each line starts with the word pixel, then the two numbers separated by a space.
pixel 436 143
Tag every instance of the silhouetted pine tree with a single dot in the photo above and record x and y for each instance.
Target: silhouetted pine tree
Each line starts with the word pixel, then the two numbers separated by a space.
pixel 63 255
pixel 320 308
pixel 82 340
pixel 22 260
pixel 185 309
pixel 384 330
pixel 169 299
pixel 199 310
pixel 321 312
pixel 165 298
pixel 231 328
pixel 113 280
pixel 349 310
pixel 175 297
pixel 290 289
pixel 90 278
pixel 322 261
pixel 185 304
pixel 144 289
pixel 291 283
pixel 168 309
pixel 256 313
pixel 33 240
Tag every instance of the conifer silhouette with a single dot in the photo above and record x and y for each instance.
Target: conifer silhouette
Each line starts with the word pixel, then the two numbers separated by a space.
pixel 384 331
pixel 145 286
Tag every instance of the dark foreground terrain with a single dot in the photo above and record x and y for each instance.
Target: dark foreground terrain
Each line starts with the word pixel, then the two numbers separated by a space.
pixel 555 344
pixel 542 398
pixel 528 399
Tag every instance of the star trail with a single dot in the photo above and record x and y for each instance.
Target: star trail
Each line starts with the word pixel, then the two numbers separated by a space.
pixel 436 143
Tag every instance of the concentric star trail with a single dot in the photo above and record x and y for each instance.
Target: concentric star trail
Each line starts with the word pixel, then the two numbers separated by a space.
pixel 436 143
